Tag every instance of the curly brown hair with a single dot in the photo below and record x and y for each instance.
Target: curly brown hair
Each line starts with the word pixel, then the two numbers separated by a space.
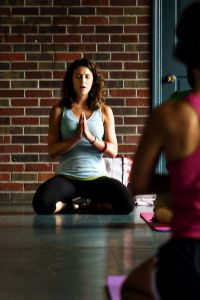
pixel 96 96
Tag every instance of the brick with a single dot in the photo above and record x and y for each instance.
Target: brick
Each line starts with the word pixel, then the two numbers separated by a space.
pixel 25 11
pixel 143 93
pixel 11 111
pixel 39 56
pixel 5 167
pixel 123 20
pixel 44 176
pixel 50 84
pixel 69 38
pixel 123 2
pixel 52 29
pixel 82 47
pixel 124 56
pixel 39 38
pixel 25 139
pixel 143 111
pixel 4 29
pixel 24 102
pixel 38 93
pixel 109 11
pixel 122 93
pixel 124 111
pixel 23 66
pixel 25 158
pixel 11 130
pixel 52 11
pixel 67 3
pixel 4 158
pixel 12 56
pixel 25 121
pixel 94 20
pixel 4 177
pixel 35 149
pixel 123 74
pixel 80 29
pixel 21 198
pixel 24 29
pixel 136 84
pixel 11 186
pixel 137 102
pixel 23 177
pixel 49 102
pixel 23 84
pixel 4 139
pixel 95 2
pixel 37 20
pixel 66 20
pixel 5 48
pixel 137 10
pixel 11 20
pixel 37 111
pixel 109 29
pixel 134 120
pixel 67 56
pixel 45 167
pixel 4 84
pixel 81 11
pixel 110 48
pixel 133 38
pixel 4 121
pixel 11 148
pixel 11 75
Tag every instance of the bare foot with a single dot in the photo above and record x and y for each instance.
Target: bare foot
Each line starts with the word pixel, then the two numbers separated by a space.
pixel 163 215
pixel 59 206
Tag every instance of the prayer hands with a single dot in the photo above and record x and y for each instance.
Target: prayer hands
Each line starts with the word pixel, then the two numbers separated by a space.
pixel 83 128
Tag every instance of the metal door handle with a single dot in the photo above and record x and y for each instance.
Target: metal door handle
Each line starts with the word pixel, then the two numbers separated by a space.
pixel 171 78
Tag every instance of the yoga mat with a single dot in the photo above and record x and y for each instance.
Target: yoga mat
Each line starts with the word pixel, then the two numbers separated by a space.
pixel 114 283
pixel 147 217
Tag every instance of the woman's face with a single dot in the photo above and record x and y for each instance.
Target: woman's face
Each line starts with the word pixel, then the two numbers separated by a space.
pixel 82 81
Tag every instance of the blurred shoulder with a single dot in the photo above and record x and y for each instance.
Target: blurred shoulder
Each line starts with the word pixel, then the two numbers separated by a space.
pixel 56 110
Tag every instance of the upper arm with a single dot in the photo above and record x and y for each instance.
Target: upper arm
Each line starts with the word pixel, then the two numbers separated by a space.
pixel 109 125
pixel 54 133
pixel 147 154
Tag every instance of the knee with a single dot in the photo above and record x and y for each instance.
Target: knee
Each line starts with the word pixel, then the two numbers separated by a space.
pixel 41 205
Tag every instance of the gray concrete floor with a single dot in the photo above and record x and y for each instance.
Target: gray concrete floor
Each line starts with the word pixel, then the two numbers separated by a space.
pixel 65 257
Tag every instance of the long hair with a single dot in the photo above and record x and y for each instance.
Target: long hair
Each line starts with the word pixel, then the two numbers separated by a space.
pixel 96 95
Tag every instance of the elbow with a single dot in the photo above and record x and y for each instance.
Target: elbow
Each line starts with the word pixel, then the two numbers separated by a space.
pixel 113 154
pixel 51 153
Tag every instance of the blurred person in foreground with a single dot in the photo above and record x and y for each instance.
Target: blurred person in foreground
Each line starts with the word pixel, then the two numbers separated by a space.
pixel 174 128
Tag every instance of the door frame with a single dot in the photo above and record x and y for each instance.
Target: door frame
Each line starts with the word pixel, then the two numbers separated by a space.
pixel 156 92
pixel 156 81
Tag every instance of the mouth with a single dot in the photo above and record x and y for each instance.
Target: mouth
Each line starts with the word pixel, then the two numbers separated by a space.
pixel 82 87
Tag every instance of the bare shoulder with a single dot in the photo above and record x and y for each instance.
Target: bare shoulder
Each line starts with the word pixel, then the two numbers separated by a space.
pixel 56 110
pixel 173 111
pixel 106 111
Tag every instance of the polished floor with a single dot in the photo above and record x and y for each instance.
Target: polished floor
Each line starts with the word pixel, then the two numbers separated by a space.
pixel 68 257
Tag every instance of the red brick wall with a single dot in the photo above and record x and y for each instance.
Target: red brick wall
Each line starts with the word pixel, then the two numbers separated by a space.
pixel 38 38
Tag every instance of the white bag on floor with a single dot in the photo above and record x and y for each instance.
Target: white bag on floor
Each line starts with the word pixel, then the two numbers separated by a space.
pixel 119 168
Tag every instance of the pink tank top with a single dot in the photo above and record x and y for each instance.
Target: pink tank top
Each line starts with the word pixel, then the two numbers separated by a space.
pixel 185 188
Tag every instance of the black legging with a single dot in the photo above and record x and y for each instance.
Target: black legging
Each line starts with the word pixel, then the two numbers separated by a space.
pixel 103 189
